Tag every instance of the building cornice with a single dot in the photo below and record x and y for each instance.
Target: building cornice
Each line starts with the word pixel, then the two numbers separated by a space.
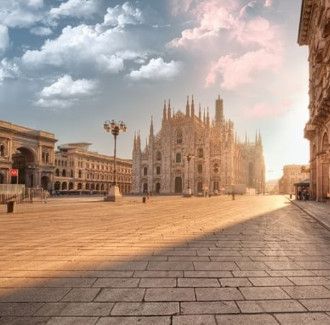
pixel 305 19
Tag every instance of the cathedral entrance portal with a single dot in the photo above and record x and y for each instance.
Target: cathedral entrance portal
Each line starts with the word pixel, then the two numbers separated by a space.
pixel 145 187
pixel 178 185
pixel 23 160
pixel 157 188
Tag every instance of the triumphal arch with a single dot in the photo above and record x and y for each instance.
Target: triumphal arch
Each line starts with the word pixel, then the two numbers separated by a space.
pixel 30 152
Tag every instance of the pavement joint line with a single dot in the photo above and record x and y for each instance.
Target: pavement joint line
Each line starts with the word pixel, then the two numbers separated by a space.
pixel 312 215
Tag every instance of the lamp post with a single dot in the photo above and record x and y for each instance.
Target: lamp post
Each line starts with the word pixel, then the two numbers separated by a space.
pixel 188 192
pixel 114 128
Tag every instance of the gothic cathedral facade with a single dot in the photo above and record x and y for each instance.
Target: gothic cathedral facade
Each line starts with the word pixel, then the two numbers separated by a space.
pixel 196 152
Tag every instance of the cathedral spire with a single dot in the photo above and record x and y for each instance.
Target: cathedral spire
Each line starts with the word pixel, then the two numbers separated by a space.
pixel 204 118
pixel 164 111
pixel 192 106
pixel 134 145
pixel 256 138
pixel 187 107
pixel 169 114
pixel 151 126
pixel 208 116
pixel 200 112
pixel 246 138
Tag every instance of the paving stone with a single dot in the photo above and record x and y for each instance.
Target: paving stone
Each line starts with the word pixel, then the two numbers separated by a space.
pixel 252 266
pixel 145 308
pixel 261 319
pixel 24 320
pixel 256 293
pixel 316 304
pixel 306 292
pixel 214 266
pixel 158 274
pixel 157 283
pixel 81 294
pixel 235 282
pixel 194 320
pixel 207 274
pixel 211 294
pixel 75 309
pixel 283 266
pixel 72 321
pixel 33 295
pixel 210 307
pixel 291 273
pixel 269 306
pixel 170 266
pixel 134 321
pixel 304 280
pixel 245 274
pixel 19 309
pixel 120 294
pixel 303 319
pixel 170 294
pixel 270 281
pixel 198 282
pixel 116 283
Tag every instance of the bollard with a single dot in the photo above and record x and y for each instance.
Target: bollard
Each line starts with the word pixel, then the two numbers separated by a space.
pixel 144 199
pixel 11 207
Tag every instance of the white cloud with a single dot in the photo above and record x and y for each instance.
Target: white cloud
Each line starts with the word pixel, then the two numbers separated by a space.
pixel 156 69
pixel 76 8
pixel 8 70
pixel 4 39
pixel 41 31
pixel 20 13
pixel 87 47
pixel 122 16
pixel 65 91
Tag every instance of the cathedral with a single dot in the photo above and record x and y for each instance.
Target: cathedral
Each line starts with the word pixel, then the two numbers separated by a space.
pixel 198 154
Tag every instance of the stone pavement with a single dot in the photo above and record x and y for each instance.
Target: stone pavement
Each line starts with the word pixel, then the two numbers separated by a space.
pixel 318 210
pixel 255 260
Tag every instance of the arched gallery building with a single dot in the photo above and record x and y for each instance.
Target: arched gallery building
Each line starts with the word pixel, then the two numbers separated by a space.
pixel 72 168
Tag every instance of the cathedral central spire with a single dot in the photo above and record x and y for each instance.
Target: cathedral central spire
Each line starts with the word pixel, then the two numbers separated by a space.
pixel 187 107
pixel 192 106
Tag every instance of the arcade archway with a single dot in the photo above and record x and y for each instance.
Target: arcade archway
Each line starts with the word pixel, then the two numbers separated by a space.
pixel 23 160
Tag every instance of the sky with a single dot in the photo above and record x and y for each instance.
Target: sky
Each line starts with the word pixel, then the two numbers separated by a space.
pixel 66 66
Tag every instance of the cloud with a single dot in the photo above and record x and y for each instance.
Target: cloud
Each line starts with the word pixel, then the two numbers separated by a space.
pixel 4 39
pixel 156 69
pixel 8 70
pixel 179 7
pixel 102 47
pixel 268 3
pixel 65 92
pixel 123 15
pixel 240 70
pixel 21 13
pixel 41 31
pixel 76 8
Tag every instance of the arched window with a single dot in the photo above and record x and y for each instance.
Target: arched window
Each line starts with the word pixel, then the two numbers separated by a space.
pixel 64 173
pixel 80 174
pixel 178 157
pixel 200 153
pixel 64 186
pixel 79 187
pixel 158 156
pixel 158 170
pixel 216 168
pixel 72 173
pixel 179 136
pixel 145 171
pixel 325 142
pixel 200 168
pixel 71 186
pixel 57 172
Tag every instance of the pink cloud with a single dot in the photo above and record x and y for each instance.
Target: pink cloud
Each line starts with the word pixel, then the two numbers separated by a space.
pixel 240 70
pixel 181 6
pixel 263 110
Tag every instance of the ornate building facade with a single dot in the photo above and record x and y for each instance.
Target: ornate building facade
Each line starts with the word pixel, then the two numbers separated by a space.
pixel 219 159
pixel 29 151
pixel 292 174
pixel 79 170
pixel 314 31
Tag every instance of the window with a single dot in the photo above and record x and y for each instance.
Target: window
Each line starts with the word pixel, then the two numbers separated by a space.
pixel 79 174
pixel 64 173
pixel 158 156
pixel 200 168
pixel 179 137
pixel 178 157
pixel 57 172
pixel 216 168
pixel 145 171
pixel 158 170
pixel 72 173
pixel 200 153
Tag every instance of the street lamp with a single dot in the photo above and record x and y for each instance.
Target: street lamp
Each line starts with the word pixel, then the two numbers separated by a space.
pixel 188 192
pixel 114 128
